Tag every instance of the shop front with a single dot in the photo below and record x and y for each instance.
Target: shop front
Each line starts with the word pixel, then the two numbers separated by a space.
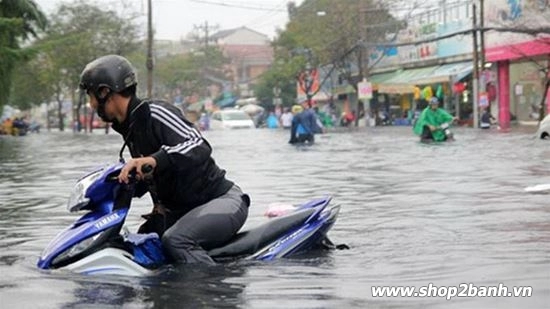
pixel 411 88
pixel 521 80
pixel 527 85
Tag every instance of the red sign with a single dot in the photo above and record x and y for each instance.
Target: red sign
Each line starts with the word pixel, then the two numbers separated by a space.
pixel 306 81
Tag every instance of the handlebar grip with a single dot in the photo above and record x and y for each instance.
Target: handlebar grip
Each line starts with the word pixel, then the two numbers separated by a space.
pixel 146 169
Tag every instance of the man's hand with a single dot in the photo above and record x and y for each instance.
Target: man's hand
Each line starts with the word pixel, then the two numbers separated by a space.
pixel 137 164
pixel 432 128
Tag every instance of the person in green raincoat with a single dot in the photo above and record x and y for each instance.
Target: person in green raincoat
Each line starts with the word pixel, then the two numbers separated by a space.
pixel 428 125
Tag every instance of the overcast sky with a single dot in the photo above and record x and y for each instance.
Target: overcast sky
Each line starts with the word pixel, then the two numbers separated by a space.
pixel 173 19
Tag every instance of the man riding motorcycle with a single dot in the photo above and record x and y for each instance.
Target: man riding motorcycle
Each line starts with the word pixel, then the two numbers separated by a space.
pixel 432 123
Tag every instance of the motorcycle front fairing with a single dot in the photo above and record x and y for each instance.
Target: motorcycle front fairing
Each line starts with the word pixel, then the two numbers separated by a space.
pixel 85 235
pixel 94 193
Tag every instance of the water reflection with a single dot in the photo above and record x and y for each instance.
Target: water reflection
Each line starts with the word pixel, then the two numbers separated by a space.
pixel 412 214
pixel 181 287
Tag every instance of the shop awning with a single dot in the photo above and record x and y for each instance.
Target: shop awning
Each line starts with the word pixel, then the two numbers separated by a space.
pixel 405 80
pixel 446 73
pixel 377 78
pixel 343 89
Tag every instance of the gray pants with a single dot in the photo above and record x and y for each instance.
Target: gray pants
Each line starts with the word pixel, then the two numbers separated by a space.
pixel 206 227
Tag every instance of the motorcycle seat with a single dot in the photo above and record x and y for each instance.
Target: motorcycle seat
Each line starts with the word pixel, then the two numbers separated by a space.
pixel 249 241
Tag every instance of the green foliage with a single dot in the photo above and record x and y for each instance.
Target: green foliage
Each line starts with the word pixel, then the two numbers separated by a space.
pixel 19 20
pixel 29 85
pixel 191 73
pixel 281 75
pixel 26 10
pixel 325 32
pixel 264 90
pixel 179 71
pixel 81 32
pixel 78 33
pixel 341 26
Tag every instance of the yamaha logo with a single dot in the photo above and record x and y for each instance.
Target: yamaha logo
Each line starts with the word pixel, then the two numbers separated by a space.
pixel 106 220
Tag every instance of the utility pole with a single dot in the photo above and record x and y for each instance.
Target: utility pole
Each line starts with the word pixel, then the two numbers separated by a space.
pixel 308 79
pixel 363 34
pixel 475 79
pixel 363 59
pixel 149 61
pixel 206 29
pixel 482 34
pixel 483 77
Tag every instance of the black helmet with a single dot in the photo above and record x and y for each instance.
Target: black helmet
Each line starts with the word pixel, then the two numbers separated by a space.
pixel 112 71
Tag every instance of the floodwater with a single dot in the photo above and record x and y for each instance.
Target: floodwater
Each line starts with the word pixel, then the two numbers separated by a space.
pixel 449 215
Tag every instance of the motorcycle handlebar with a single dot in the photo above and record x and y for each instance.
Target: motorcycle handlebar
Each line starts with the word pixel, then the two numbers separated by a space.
pixel 145 169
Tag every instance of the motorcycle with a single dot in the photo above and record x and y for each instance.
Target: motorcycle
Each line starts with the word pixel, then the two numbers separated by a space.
pixel 99 243
pixel 445 127
pixel 448 134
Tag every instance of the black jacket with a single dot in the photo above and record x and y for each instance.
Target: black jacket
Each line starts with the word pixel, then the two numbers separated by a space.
pixel 186 176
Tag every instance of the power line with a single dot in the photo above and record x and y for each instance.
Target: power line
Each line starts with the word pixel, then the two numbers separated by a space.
pixel 530 31
pixel 271 13
pixel 236 5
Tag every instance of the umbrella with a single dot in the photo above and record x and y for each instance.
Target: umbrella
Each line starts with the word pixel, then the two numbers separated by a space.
pixel 252 109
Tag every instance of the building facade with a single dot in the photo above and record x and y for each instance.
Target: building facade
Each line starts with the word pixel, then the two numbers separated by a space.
pixel 250 55
pixel 439 61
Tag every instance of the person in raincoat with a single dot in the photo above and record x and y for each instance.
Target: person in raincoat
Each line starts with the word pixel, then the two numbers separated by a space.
pixel 428 125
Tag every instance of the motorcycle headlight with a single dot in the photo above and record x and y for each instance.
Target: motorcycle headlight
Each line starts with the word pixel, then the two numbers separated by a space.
pixel 78 198
pixel 77 248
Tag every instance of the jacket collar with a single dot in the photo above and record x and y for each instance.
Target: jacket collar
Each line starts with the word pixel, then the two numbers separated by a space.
pixel 137 110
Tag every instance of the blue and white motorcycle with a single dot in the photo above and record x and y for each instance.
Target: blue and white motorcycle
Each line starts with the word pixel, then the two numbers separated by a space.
pixel 99 243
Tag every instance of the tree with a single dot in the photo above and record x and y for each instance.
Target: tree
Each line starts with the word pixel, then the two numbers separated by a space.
pixel 80 32
pixel 331 34
pixel 334 30
pixel 19 20
pixel 26 81
pixel 281 75
pixel 191 73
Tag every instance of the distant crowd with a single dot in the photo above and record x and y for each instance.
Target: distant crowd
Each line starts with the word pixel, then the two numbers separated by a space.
pixel 18 126
pixel 326 117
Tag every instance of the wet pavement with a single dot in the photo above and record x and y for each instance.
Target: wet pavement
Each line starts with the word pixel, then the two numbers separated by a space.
pixel 412 214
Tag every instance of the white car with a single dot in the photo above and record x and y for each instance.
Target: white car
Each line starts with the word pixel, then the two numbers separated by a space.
pixel 231 119
pixel 543 131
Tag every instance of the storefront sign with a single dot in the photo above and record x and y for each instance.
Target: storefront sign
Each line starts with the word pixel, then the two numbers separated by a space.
pixel 483 99
pixel 365 90
pixel 518 89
